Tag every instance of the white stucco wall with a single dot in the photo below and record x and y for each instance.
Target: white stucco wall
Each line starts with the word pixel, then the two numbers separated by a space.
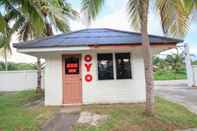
pixel 18 80
pixel 115 91
pixel 53 80
pixel 97 91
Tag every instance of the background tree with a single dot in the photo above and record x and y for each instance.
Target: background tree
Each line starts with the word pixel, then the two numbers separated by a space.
pixel 174 19
pixel 169 67
pixel 33 19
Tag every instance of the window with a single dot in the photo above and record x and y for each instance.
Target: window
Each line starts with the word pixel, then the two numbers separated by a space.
pixel 105 66
pixel 123 65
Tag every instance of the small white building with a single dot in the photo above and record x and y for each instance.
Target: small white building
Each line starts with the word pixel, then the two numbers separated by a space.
pixel 94 65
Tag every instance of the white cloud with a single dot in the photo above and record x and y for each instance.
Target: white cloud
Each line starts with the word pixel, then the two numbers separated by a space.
pixel 117 20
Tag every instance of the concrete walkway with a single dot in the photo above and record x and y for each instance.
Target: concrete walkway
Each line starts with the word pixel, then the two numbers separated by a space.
pixel 179 93
pixel 63 120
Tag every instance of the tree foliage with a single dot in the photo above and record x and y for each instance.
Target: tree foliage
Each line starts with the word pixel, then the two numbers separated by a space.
pixel 170 67
pixel 17 66
pixel 27 18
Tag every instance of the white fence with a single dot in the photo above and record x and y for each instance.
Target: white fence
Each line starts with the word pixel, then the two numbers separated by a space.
pixel 18 80
pixel 195 74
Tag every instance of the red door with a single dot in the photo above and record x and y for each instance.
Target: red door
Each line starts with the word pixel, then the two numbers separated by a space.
pixel 72 90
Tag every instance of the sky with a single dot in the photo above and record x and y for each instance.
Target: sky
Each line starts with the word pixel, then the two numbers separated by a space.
pixel 114 15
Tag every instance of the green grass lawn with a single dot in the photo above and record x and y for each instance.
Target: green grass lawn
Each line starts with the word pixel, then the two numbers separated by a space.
pixel 16 116
pixel 169 75
pixel 123 117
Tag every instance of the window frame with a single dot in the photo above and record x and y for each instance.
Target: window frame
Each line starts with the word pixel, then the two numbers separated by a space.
pixel 114 65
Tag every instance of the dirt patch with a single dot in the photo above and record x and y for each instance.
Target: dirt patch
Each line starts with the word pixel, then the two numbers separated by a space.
pixel 92 119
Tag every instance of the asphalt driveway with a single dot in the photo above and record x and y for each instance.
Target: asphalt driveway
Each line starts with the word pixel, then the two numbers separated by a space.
pixel 177 91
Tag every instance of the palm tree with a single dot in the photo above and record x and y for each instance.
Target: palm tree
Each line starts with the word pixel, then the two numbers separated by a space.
pixel 6 31
pixel 174 18
pixel 33 19
pixel 54 13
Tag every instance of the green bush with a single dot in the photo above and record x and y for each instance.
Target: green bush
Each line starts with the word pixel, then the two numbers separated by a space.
pixel 17 66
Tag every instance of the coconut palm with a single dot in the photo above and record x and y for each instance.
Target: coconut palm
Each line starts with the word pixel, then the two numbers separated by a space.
pixel 33 19
pixel 174 18
pixel 55 13
pixel 5 30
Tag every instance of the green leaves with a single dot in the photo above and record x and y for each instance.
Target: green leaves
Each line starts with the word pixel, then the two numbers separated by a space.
pixel 91 8
pixel 2 24
pixel 174 17
pixel 135 11
pixel 27 18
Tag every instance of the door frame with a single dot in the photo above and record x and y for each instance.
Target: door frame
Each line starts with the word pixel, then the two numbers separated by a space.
pixel 63 74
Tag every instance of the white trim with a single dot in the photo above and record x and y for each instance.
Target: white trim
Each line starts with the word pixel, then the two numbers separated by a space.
pixel 54 49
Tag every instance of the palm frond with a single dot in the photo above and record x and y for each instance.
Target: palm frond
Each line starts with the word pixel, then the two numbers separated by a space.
pixel 5 41
pixel 134 8
pixel 25 32
pixel 189 5
pixel 65 8
pixel 91 8
pixel 59 14
pixel 70 12
pixel 3 24
pixel 34 23
pixel 63 26
pixel 174 17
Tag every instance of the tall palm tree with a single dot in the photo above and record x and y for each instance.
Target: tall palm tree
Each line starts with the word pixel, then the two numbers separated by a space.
pixel 5 30
pixel 174 19
pixel 33 19
pixel 55 13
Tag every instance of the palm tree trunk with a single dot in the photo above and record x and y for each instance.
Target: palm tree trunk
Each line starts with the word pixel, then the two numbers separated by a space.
pixel 48 26
pixel 39 76
pixel 147 60
pixel 6 61
pixel 39 68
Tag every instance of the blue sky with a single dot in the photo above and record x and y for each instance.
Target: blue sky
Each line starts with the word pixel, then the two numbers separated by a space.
pixel 114 15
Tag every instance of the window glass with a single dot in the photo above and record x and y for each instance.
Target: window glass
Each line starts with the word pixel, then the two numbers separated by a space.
pixel 105 66
pixel 123 65
pixel 72 65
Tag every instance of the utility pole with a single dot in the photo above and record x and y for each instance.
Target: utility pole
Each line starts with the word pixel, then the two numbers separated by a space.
pixel 190 77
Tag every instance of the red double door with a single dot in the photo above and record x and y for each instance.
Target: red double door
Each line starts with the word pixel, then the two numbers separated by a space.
pixel 72 85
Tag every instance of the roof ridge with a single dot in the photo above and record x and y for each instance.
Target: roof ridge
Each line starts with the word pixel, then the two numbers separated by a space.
pixel 138 33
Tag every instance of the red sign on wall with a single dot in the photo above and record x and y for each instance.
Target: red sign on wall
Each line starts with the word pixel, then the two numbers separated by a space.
pixel 72 68
pixel 88 65
pixel 88 58
pixel 88 77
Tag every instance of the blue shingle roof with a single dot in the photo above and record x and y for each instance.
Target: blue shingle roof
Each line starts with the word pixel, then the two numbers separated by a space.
pixel 87 37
